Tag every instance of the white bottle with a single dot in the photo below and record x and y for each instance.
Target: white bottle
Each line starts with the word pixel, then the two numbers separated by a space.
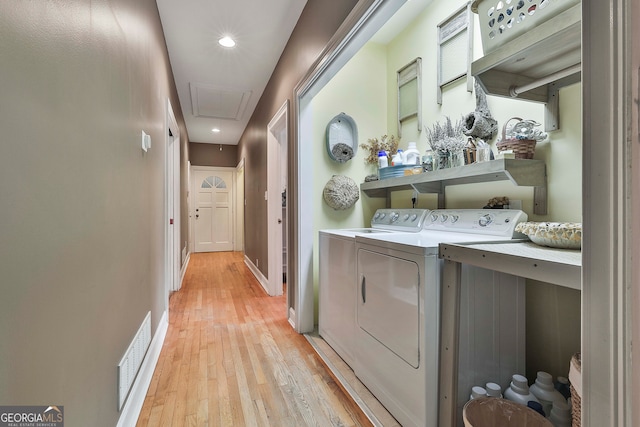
pixel 477 391
pixel 493 390
pixel 397 160
pixel 546 393
pixel 383 161
pixel 560 414
pixel 412 155
pixel 518 391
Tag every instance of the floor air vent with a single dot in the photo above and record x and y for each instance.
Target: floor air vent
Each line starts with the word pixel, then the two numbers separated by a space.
pixel 132 359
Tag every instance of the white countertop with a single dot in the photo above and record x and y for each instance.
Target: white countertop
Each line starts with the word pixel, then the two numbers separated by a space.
pixel 521 258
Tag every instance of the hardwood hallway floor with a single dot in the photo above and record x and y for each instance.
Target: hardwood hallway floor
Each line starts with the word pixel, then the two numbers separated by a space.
pixel 230 358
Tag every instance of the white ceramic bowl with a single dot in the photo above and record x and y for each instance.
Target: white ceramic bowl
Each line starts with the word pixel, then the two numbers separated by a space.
pixel 563 235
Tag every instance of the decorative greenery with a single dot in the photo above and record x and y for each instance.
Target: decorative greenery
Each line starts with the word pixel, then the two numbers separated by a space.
pixel 447 137
pixel 387 143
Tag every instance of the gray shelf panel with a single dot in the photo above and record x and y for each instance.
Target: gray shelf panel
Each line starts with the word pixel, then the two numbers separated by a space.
pixel 550 47
pixel 520 172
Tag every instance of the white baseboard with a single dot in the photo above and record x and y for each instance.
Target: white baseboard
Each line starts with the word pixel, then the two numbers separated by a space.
pixel 133 405
pixel 264 282
pixel 183 270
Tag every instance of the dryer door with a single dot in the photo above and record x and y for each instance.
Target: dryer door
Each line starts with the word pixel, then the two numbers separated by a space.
pixel 388 303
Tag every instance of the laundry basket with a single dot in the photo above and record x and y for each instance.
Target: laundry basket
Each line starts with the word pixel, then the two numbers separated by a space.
pixel 522 148
pixel 503 20
pixel 496 412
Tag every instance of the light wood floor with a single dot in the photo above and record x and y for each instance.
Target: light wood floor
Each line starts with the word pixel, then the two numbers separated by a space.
pixel 230 358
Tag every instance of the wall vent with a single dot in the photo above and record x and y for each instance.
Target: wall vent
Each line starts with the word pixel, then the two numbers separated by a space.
pixel 132 360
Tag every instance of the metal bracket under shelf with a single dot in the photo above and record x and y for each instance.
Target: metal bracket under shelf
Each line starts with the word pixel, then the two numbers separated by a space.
pixel 552 107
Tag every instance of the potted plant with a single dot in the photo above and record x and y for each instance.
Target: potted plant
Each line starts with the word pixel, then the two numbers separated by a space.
pixel 447 142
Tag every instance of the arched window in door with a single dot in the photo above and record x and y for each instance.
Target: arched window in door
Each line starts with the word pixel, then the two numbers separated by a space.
pixel 213 182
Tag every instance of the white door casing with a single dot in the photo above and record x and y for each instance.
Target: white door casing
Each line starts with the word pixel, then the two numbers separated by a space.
pixel 172 203
pixel 365 19
pixel 239 192
pixel 277 138
pixel 213 202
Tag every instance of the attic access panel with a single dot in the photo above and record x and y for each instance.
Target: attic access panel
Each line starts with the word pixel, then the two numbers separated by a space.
pixel 218 102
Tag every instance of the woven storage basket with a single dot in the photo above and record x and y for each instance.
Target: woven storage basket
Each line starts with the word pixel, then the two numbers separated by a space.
pixel 575 378
pixel 522 148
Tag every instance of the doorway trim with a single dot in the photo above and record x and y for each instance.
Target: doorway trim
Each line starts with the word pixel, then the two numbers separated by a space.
pixel 238 244
pixel 172 204
pixel 277 138
pixel 366 18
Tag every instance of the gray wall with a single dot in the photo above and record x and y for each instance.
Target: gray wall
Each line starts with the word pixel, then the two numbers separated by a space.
pixel 210 155
pixel 82 230
pixel 319 21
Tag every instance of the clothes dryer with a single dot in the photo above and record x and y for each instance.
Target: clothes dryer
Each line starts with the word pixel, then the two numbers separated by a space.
pixel 398 308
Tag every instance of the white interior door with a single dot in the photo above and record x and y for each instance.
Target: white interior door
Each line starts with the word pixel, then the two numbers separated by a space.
pixel 276 143
pixel 213 209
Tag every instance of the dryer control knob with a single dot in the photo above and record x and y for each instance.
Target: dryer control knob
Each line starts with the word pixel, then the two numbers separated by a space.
pixel 394 216
pixel 414 217
pixel 405 217
pixel 454 219
pixel 485 220
pixel 444 217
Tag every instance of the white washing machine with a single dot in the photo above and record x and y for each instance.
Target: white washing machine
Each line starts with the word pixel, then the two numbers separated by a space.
pixel 398 308
pixel 337 288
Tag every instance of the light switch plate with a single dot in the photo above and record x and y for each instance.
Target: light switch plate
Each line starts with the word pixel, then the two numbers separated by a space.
pixel 146 141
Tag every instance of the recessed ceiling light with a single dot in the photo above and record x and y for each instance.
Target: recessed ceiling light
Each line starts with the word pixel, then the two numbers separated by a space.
pixel 227 41
pixel 215 130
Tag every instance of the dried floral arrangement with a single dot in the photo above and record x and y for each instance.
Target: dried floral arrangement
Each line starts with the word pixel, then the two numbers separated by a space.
pixel 447 137
pixel 387 143
pixel 497 202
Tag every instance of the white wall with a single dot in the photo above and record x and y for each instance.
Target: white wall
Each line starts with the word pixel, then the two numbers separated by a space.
pixel 356 90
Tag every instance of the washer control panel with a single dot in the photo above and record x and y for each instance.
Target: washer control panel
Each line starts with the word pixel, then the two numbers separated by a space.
pixel 497 222
pixel 407 220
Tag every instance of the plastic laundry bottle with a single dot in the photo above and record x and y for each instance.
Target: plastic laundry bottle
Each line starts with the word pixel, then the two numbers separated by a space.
pixel 562 385
pixel 493 390
pixel 477 391
pixel 412 155
pixel 546 393
pixel 383 161
pixel 560 414
pixel 397 159
pixel 518 391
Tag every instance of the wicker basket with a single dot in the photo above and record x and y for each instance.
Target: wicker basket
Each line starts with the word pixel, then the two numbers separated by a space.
pixel 575 378
pixel 522 148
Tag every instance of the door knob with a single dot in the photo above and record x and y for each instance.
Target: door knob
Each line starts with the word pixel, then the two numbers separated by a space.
pixel 197 216
pixel 197 210
pixel 279 221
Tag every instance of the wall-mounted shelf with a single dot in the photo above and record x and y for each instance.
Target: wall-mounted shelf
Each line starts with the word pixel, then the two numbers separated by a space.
pixel 536 64
pixel 531 173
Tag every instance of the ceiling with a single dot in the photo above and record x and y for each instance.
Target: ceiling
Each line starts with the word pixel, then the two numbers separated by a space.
pixel 220 87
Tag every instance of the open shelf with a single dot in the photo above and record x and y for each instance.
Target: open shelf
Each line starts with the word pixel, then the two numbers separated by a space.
pixel 548 57
pixel 531 173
